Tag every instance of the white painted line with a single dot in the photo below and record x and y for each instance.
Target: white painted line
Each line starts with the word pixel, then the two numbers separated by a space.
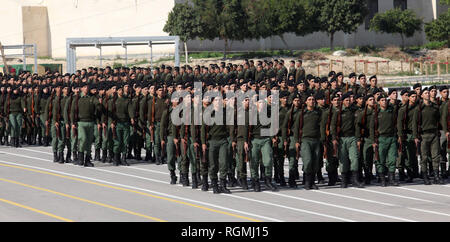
pixel 420 191
pixel 395 195
pixel 428 211
pixel 145 190
pixel 356 198
pixel 244 198
pixel 343 207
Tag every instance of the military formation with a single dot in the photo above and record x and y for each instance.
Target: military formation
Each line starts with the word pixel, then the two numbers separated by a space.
pixel 353 128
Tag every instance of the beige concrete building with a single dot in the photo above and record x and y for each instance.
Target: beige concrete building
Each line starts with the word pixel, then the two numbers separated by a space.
pixel 49 22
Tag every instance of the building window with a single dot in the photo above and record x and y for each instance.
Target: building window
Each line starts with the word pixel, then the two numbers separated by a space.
pixel 372 5
pixel 402 4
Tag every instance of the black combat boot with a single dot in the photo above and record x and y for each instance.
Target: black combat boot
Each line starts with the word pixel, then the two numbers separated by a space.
pixel 307 182
pixel 313 182
pixel 111 156
pixel 2 141
pixel 282 181
pixel 438 178
pixel 68 158
pixel 45 141
pixel 40 140
pixel 194 181
pixel 320 178
pixel 147 155
pixel 215 186
pixel 184 178
pixel 205 185
pixel 116 159
pixel 138 154
pixel 104 156
pixel 368 176
pixel 270 185
pixel 391 179
pixel 410 175
pixel 124 160
pixel 199 179
pixel 291 180
pixel 55 157
pixel 356 182
pixel 332 178
pixel 7 141
pixel 244 184
pixel 61 157
pixel 382 179
pixel 443 171
pixel 173 178
pixel 426 179
pixel 223 186
pixel 256 185
pixel 97 155
pixel 158 160
pixel 128 155
pixel 344 183
pixel 75 157
pixel 81 158
pixel 87 161
pixel 276 175
pixel 232 180
pixel 18 145
pixel 401 174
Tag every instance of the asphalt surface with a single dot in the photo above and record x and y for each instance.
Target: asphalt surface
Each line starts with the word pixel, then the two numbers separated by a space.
pixel 33 188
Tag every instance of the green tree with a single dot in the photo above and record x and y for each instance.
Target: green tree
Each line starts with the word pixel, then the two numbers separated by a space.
pixel 439 29
pixel 397 21
pixel 223 19
pixel 338 15
pixel 445 2
pixel 277 17
pixel 183 21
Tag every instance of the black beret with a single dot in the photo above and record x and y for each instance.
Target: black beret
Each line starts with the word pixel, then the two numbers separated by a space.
pixel 374 76
pixel 423 90
pixel 417 85
pixel 380 97
pixel 412 92
pixel 284 94
pixel 403 92
pixel 432 87
pixel 352 75
pixel 361 75
pixel 442 88
pixel 359 95
pixel 390 91
pixel 345 95
pixel 367 97
pixel 319 96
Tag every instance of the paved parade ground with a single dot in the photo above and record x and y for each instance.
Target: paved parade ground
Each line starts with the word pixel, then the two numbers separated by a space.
pixel 33 188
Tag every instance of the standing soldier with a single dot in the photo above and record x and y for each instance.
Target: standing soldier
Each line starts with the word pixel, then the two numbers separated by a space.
pixel 121 115
pixel 405 135
pixel 366 143
pixel 289 142
pixel 307 137
pixel 56 121
pixel 261 148
pixel 382 134
pixel 159 107
pixel 14 109
pixel 41 114
pixel 67 105
pixel 347 136
pixel 214 141
pixel 83 113
pixel 3 98
pixel 278 147
pixel 443 110
pixel 243 156
pixel 426 134
pixel 74 135
pixel 169 135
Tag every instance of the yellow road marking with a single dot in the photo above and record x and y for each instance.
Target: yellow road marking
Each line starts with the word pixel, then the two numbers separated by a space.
pixel 35 210
pixel 133 191
pixel 82 199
